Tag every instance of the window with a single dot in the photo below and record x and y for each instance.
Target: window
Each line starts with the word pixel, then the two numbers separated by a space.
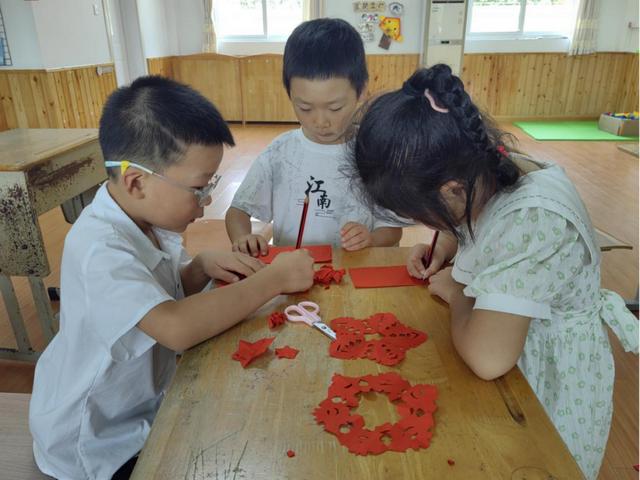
pixel 5 55
pixel 522 18
pixel 256 19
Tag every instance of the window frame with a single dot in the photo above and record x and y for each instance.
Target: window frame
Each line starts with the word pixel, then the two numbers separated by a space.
pixel 515 34
pixel 264 38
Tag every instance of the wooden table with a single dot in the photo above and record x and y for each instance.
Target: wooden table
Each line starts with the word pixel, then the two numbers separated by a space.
pixel 39 170
pixel 220 421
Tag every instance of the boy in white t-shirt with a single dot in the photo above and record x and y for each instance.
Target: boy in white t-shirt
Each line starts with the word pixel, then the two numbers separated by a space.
pixel 131 297
pixel 325 73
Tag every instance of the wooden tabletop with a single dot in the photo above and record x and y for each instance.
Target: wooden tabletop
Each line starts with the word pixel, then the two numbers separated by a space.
pixel 220 421
pixel 23 148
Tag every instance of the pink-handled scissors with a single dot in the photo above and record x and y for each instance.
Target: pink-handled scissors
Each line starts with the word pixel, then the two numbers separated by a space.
pixel 307 312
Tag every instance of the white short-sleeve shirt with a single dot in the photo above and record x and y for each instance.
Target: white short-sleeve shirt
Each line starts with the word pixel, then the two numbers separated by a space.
pixel 100 381
pixel 275 185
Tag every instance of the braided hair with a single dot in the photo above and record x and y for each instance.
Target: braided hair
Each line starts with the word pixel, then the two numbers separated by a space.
pixel 406 148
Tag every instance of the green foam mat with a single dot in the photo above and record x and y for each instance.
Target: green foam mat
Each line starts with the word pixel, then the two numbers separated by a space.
pixel 568 130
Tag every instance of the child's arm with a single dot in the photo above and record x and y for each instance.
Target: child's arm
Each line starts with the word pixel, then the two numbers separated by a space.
pixel 181 324
pixel 223 266
pixel 355 236
pixel 238 225
pixel 489 342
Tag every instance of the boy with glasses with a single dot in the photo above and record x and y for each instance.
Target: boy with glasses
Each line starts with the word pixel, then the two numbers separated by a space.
pixel 131 297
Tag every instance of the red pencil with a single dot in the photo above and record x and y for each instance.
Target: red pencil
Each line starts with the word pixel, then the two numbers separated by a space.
pixel 430 255
pixel 303 219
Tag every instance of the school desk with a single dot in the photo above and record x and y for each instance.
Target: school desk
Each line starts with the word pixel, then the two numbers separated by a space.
pixel 222 421
pixel 39 170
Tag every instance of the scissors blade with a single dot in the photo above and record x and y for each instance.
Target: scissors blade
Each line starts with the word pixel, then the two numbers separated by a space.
pixel 324 328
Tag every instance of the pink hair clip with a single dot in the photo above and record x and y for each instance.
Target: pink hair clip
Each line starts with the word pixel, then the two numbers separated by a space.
pixel 433 103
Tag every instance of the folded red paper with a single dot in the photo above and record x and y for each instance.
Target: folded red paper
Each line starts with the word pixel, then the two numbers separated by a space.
pixel 327 274
pixel 320 253
pixel 415 406
pixel 248 351
pixel 276 319
pixel 374 277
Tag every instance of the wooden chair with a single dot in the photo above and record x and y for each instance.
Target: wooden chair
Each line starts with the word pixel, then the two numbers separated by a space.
pixel 16 444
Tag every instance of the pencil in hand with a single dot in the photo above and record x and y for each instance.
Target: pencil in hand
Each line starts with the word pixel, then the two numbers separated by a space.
pixel 303 220
pixel 430 254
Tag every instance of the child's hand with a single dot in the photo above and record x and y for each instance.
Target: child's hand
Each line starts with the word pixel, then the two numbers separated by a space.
pixel 443 285
pixel 251 244
pixel 355 236
pixel 418 257
pixel 295 271
pixel 226 266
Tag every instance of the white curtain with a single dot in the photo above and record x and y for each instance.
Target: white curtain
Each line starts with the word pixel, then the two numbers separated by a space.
pixel 312 9
pixel 585 35
pixel 209 43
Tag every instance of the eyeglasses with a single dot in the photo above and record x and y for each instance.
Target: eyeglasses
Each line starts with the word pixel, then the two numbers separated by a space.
pixel 201 193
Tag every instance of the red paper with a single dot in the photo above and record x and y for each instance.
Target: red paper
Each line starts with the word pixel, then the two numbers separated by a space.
pixel 291 453
pixel 286 352
pixel 374 277
pixel 415 404
pixel 248 351
pixel 320 253
pixel 276 319
pixel 451 462
pixel 390 349
pixel 326 274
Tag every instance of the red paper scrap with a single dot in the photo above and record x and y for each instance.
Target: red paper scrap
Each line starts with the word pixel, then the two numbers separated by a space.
pixel 397 338
pixel 291 453
pixel 248 351
pixel 375 277
pixel 415 405
pixel 287 352
pixel 276 319
pixel 451 462
pixel 327 274
pixel 320 253
pixel 637 467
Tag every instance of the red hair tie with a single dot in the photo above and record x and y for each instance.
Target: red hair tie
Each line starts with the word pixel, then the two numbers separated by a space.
pixel 502 150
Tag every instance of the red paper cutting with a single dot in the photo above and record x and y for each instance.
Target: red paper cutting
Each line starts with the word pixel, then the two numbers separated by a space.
pixel 276 319
pixel 451 462
pixel 375 277
pixel 390 349
pixel 248 351
pixel 415 405
pixel 320 253
pixel 286 352
pixel 291 453
pixel 326 274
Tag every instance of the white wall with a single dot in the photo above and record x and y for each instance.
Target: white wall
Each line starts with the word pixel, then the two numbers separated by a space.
pixel 188 21
pixel 21 35
pixel 157 40
pixel 70 33
pixel 614 34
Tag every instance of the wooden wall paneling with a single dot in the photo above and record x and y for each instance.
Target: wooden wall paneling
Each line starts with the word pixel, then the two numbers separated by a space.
pixel 70 98
pixel 161 66
pixel 217 77
pixel 388 72
pixel 628 100
pixel 265 97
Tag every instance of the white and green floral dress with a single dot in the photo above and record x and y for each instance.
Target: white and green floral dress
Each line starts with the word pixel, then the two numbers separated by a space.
pixel 535 255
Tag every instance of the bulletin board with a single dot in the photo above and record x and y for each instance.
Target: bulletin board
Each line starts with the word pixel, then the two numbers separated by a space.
pixel 380 22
